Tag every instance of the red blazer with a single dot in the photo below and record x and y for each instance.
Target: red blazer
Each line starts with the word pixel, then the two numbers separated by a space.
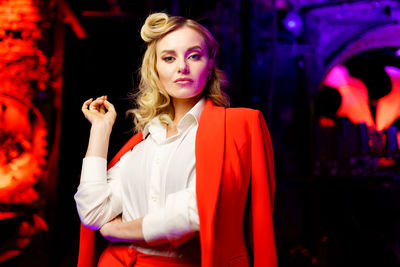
pixel 235 190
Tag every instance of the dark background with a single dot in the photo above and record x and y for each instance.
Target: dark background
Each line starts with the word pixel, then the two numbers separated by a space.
pixel 321 218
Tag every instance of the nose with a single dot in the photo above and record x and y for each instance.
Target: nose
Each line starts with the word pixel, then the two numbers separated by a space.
pixel 183 67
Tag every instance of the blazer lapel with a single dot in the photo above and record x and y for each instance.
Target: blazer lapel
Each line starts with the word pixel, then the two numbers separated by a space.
pixel 133 141
pixel 210 147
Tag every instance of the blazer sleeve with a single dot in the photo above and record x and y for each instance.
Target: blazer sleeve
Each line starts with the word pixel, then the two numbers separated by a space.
pixel 262 195
pixel 87 238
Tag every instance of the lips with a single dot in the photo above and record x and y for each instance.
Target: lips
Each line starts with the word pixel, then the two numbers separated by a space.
pixel 183 80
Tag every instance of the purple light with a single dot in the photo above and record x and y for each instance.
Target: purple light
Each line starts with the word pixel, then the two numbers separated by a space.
pixel 397 53
pixel 293 23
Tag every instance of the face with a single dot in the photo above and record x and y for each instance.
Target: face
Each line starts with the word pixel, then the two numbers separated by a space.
pixel 183 64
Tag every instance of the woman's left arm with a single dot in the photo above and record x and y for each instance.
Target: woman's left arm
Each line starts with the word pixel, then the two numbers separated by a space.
pixel 262 194
pixel 176 223
pixel 118 231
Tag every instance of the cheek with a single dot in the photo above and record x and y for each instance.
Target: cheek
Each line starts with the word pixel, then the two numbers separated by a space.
pixel 202 78
pixel 161 72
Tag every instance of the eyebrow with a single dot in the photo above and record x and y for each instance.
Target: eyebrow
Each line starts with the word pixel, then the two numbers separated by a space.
pixel 196 47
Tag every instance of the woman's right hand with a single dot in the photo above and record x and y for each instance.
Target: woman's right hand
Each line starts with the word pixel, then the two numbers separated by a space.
pixel 99 111
pixel 101 115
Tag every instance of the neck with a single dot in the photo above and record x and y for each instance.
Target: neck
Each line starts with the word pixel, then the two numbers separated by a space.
pixel 182 106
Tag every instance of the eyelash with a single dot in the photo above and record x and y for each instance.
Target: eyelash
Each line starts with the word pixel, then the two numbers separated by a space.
pixel 170 59
pixel 195 56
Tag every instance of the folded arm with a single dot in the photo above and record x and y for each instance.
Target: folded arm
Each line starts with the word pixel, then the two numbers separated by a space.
pixel 177 222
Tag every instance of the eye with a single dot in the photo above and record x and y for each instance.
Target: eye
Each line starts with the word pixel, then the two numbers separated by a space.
pixel 195 56
pixel 168 59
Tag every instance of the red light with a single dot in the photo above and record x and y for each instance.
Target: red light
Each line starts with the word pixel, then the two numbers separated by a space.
pixel 354 94
pixel 355 100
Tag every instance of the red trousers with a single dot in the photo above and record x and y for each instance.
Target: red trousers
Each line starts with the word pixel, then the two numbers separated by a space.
pixel 122 255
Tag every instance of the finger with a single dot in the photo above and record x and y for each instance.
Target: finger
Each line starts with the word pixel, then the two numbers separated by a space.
pixel 96 104
pixel 86 104
pixel 102 108
pixel 109 106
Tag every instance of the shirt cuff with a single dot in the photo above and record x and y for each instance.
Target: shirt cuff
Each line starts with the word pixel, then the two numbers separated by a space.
pixel 94 169
pixel 153 228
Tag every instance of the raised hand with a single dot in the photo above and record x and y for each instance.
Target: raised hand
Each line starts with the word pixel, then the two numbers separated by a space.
pixel 99 111
pixel 101 114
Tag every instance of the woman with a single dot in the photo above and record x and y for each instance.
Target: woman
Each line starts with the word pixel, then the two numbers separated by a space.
pixel 195 185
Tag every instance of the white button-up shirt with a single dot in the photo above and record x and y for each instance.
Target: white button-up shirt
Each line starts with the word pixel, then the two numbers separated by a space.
pixel 156 179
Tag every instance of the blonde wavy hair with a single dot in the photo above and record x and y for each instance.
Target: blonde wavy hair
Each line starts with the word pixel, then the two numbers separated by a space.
pixel 152 100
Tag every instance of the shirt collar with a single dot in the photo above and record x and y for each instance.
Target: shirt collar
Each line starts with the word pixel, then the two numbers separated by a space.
pixel 195 111
pixel 155 127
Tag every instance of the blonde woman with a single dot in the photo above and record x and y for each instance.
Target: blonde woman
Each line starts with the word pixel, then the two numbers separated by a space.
pixel 195 185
